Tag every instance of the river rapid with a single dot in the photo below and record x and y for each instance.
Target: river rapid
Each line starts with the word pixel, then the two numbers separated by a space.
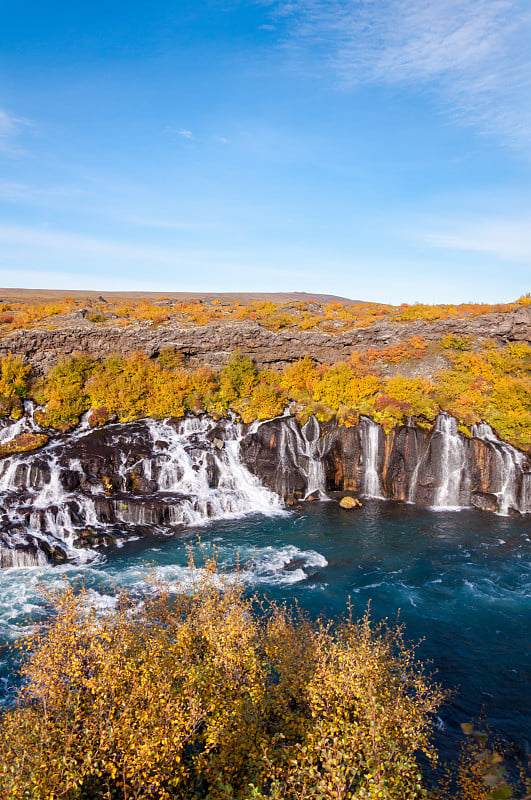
pixel 460 581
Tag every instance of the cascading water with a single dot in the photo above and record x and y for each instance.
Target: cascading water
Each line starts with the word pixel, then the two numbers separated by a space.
pixel 93 487
pixel 214 483
pixel 440 477
pixel 315 471
pixel 509 462
pixel 299 450
pixel 97 486
pixel 452 463
pixel 26 424
pixel 370 446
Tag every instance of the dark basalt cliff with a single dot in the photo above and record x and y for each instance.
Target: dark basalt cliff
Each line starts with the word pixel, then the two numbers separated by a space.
pixel 431 467
pixel 91 488
pixel 212 344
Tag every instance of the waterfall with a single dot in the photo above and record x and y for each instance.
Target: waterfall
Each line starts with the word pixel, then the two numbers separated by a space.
pixel 97 486
pixel 370 446
pixel 509 463
pixel 19 558
pixel 299 450
pixel 440 477
pixel 412 491
pixel 26 424
pixel 452 464
pixel 93 487
pixel 213 483
pixel 315 471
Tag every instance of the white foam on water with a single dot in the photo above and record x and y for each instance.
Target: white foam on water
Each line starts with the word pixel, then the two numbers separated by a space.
pixel 368 586
pixel 265 565
pixel 199 482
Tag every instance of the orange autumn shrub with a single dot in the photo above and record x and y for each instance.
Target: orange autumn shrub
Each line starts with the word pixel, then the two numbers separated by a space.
pixel 208 696
pixel 13 385
pixel 486 382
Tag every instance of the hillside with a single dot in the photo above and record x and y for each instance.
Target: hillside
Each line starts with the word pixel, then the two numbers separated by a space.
pixel 273 333
pixel 341 359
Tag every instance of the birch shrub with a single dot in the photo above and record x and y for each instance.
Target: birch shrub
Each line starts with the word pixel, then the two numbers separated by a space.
pixel 212 695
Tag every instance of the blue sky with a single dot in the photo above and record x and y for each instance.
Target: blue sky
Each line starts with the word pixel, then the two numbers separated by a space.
pixel 376 149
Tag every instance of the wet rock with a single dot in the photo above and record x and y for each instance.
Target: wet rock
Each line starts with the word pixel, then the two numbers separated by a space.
pixel 404 448
pixel 315 577
pixel 484 501
pixel 294 564
pixel 350 502
pixel 18 548
pixel 343 462
pixel 275 454
pixel 313 496
pixel 70 479
pixel 92 488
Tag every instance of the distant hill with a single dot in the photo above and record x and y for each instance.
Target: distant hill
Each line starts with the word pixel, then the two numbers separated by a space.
pixel 228 297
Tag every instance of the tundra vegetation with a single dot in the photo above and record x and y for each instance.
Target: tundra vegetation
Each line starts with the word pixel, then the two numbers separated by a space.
pixel 482 381
pixel 214 694
pixel 305 314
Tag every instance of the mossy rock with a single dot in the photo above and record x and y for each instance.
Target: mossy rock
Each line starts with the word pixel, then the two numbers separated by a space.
pixel 23 443
pixel 350 502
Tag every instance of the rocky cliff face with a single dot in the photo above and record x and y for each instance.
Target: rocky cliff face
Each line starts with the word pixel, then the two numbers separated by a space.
pixel 89 489
pixel 212 344
pixel 433 467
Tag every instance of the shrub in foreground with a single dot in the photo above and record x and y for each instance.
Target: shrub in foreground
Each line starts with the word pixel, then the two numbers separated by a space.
pixel 208 695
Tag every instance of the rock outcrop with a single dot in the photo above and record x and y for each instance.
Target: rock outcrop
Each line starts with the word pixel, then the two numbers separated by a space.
pixel 90 488
pixel 432 467
pixel 212 344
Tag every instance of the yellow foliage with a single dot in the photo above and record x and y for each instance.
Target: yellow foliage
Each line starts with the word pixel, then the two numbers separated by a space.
pixel 332 317
pixel 13 385
pixel 490 383
pixel 199 696
pixel 340 386
pixel 299 377
pixel 64 393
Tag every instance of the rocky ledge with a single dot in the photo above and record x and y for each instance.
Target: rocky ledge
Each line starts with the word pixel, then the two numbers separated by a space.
pixel 87 490
pixel 212 344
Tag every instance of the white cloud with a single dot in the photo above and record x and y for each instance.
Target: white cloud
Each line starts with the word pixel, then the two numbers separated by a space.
pixel 11 128
pixel 474 54
pixel 183 132
pixel 24 193
pixel 509 240
pixel 79 245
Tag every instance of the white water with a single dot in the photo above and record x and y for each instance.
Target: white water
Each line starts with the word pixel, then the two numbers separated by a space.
pixel 302 448
pixel 197 481
pixel 313 451
pixel 193 481
pixel 26 424
pixel 370 444
pixel 509 463
pixel 186 459
pixel 446 446
pixel 452 465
